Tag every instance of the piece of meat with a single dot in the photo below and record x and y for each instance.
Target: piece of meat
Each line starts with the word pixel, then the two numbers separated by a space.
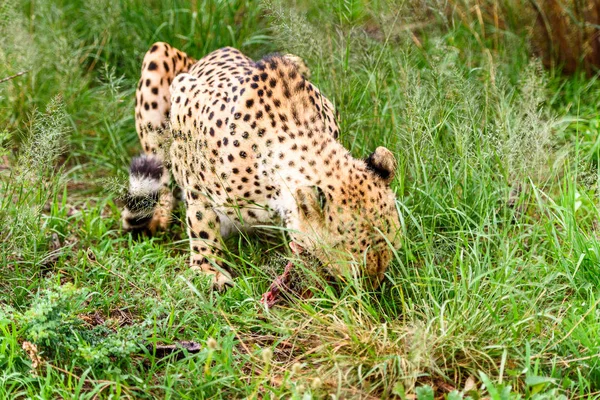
pixel 279 285
pixel 284 283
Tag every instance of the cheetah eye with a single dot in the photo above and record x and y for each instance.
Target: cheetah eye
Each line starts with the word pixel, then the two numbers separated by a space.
pixel 321 198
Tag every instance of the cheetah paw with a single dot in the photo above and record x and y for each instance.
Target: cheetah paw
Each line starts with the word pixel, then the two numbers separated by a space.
pixel 221 282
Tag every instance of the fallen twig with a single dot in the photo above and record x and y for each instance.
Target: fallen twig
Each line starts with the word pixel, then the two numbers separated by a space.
pixel 8 78
pixel 163 350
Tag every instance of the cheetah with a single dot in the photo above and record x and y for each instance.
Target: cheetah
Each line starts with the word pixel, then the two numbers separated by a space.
pixel 255 143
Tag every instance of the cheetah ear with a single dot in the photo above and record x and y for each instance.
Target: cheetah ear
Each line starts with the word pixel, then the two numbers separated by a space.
pixel 382 163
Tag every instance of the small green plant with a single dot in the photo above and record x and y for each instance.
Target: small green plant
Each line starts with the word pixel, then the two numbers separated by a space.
pixel 54 323
pixel 425 393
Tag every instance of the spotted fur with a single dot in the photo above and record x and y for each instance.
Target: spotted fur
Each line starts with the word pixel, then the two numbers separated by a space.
pixel 254 143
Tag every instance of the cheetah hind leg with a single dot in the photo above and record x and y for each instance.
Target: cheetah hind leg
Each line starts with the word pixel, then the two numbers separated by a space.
pixel 150 199
pixel 300 65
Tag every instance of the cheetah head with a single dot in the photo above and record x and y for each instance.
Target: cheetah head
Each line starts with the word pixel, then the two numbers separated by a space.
pixel 352 221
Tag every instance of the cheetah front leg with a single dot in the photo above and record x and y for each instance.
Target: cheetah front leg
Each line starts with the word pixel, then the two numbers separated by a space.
pixel 203 227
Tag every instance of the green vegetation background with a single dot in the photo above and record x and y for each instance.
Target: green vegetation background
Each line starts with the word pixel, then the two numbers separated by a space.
pixel 495 290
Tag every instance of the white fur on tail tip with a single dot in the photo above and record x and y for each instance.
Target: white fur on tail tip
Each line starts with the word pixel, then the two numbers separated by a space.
pixel 142 185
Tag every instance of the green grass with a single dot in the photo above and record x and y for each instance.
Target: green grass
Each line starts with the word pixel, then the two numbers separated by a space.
pixel 494 291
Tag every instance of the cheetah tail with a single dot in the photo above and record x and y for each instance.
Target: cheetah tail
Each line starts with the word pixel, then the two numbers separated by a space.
pixel 144 188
